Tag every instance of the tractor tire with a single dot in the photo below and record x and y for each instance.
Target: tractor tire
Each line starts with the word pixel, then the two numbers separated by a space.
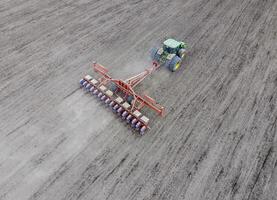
pixel 175 63
pixel 167 63
pixel 154 55
pixel 182 53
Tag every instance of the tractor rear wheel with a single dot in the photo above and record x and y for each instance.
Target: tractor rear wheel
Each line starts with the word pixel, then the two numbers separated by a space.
pixel 175 63
pixel 154 54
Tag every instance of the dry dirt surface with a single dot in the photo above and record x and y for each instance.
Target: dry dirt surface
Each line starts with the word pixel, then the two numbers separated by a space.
pixel 217 141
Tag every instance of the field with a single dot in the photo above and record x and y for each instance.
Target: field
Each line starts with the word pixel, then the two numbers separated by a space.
pixel 217 141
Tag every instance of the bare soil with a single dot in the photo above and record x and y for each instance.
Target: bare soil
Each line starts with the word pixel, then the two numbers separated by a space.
pixel 217 141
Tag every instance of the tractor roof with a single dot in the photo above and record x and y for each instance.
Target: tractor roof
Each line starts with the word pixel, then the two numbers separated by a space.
pixel 172 43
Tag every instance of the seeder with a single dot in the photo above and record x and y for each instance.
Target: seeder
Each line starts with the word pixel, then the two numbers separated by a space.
pixel 120 95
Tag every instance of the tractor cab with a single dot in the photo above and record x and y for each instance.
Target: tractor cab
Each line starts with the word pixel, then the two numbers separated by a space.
pixel 171 46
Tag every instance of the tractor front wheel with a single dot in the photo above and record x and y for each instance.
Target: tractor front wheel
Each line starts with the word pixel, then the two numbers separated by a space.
pixel 182 53
pixel 175 63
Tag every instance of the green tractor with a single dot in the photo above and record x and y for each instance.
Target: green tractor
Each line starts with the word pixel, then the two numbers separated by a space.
pixel 171 54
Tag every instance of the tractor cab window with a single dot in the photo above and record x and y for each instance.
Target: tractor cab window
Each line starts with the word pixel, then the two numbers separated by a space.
pixel 169 49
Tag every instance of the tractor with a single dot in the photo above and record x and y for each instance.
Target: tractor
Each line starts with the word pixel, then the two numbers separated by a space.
pixel 170 55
